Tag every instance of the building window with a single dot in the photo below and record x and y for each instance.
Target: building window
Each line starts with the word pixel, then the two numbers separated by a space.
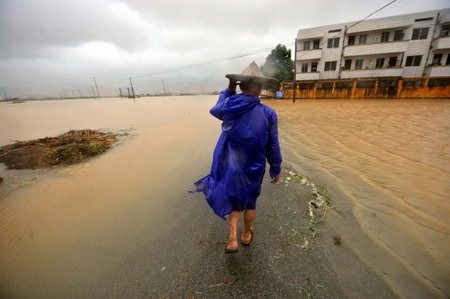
pixel 304 67
pixel 306 45
pixel 330 65
pixel 399 35
pixel 351 39
pixel 392 61
pixel 436 59
pixel 445 30
pixel 384 37
pixel 313 66
pixel 413 60
pixel 363 39
pixel 316 44
pixel 447 62
pixel 420 33
pixel 380 63
pixel 423 19
pixel 347 64
pixel 358 64
pixel 333 42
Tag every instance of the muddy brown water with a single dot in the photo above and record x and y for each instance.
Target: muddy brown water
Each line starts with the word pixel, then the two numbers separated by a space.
pixel 385 162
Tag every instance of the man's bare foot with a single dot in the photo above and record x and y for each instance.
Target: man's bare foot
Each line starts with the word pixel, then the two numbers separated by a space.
pixel 246 237
pixel 232 246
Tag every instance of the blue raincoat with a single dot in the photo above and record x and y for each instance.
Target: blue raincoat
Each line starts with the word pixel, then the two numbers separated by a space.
pixel 249 138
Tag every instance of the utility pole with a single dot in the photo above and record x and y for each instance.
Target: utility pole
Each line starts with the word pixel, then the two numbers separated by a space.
pixel 79 91
pixel 4 92
pixel 430 47
pixel 96 87
pixel 164 87
pixel 129 96
pixel 132 89
pixel 93 93
pixel 295 71
pixel 120 91
pixel 342 53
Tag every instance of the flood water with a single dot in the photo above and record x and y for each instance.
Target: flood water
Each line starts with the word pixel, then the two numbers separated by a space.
pixel 385 162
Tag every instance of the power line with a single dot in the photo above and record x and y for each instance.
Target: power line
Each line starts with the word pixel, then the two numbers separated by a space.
pixel 198 64
pixel 376 11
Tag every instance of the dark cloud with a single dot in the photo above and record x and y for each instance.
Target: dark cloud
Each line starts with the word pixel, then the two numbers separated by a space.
pixel 57 42
pixel 28 27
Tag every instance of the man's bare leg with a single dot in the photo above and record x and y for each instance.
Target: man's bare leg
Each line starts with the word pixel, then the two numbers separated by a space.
pixel 233 218
pixel 249 218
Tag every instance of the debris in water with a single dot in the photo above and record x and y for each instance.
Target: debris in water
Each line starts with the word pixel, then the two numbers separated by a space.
pixel 318 286
pixel 69 148
pixel 217 285
pixel 318 202
pixel 337 241
pixel 305 243
pixel 202 242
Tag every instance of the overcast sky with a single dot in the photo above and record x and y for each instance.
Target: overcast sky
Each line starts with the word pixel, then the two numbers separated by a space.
pixel 56 46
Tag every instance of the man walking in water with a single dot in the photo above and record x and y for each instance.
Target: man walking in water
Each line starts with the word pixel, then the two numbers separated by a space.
pixel 249 138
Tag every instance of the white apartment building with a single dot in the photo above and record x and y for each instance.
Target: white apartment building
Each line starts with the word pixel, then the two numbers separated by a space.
pixel 412 45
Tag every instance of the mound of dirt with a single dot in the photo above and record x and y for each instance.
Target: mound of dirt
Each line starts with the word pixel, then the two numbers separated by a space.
pixel 66 149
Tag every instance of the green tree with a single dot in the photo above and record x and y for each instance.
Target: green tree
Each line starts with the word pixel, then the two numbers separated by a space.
pixel 278 65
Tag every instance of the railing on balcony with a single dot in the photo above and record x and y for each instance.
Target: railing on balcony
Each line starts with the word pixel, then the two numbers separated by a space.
pixel 441 43
pixel 372 72
pixel 439 70
pixel 376 48
pixel 309 54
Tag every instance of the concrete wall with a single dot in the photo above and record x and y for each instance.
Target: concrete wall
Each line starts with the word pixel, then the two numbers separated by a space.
pixel 422 87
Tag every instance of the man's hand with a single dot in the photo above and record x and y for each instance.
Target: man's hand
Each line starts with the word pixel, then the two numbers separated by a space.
pixel 276 179
pixel 232 86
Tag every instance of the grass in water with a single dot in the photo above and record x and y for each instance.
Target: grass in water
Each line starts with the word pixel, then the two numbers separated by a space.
pixel 315 202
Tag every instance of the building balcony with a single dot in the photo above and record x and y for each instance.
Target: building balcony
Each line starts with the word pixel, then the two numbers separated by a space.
pixel 376 48
pixel 441 43
pixel 377 26
pixel 439 70
pixel 307 76
pixel 309 54
pixel 368 73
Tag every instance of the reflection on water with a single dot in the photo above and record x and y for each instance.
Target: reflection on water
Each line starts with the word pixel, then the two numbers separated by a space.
pixel 385 162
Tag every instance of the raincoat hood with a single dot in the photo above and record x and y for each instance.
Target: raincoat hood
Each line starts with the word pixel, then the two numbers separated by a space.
pixel 238 104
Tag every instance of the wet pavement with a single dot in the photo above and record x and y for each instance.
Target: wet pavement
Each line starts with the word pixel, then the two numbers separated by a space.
pixel 189 261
